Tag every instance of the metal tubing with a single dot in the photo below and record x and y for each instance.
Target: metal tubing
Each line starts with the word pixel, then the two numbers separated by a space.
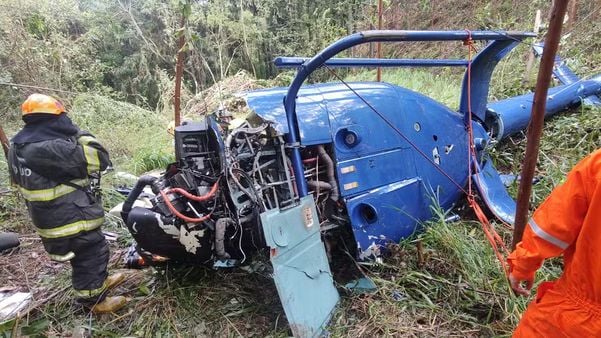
pixel 379 46
pixel 134 193
pixel 323 154
pixel 509 116
pixel 364 37
pixel 293 62
pixel 538 115
pixel 565 75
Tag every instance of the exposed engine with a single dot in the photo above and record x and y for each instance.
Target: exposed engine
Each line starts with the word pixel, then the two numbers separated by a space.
pixel 206 206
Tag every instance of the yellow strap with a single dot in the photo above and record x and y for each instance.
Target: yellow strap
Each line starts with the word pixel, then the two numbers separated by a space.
pixel 91 153
pixel 63 258
pixel 45 195
pixel 71 229
pixel 90 293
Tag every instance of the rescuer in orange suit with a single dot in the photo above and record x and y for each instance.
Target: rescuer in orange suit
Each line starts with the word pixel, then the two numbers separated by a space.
pixel 568 222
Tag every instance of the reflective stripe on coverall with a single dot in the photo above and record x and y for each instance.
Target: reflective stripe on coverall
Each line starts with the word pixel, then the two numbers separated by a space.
pixel 568 222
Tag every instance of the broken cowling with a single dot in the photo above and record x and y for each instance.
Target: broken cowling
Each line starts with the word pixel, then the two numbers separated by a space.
pixel 188 221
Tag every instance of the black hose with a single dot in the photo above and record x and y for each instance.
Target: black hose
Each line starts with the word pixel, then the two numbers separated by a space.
pixel 134 193
pixel 8 240
pixel 334 194
pixel 319 185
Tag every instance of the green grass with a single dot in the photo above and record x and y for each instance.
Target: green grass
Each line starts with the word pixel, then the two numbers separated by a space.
pixel 441 85
pixel 136 138
pixel 566 139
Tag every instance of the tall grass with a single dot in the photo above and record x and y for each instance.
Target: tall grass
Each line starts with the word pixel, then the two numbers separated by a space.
pixel 136 138
pixel 442 85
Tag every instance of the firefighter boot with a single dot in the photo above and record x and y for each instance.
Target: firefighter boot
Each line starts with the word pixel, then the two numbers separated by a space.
pixel 110 304
pixel 114 280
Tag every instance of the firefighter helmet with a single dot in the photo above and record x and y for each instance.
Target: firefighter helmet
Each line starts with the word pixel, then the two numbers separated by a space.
pixel 40 103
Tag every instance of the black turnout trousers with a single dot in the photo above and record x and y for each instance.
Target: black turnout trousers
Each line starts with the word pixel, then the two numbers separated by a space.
pixel 89 264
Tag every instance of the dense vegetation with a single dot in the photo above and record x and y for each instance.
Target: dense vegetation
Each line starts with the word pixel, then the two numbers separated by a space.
pixel 114 64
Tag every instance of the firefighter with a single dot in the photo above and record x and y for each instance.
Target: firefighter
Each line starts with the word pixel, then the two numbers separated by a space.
pixel 56 167
pixel 568 222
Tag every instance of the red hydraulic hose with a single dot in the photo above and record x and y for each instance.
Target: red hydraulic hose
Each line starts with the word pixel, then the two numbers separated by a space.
pixel 188 195
pixel 196 198
pixel 179 214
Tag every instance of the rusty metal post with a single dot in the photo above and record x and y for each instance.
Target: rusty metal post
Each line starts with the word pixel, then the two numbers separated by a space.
pixel 538 115
pixel 179 71
pixel 379 46
pixel 4 141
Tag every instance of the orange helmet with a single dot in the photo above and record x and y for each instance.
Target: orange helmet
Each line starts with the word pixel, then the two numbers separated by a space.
pixel 40 103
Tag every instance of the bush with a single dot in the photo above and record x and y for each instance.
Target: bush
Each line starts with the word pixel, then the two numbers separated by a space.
pixel 136 138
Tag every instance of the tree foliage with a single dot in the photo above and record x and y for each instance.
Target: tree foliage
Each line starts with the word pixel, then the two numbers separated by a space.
pixel 127 48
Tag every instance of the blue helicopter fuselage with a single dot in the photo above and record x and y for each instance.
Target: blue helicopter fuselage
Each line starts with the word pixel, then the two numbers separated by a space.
pixel 387 186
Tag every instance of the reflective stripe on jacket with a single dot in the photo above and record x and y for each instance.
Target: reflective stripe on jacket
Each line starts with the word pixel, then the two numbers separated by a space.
pixel 49 173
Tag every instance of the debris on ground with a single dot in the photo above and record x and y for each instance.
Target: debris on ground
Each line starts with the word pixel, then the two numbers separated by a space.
pixel 222 96
pixel 11 303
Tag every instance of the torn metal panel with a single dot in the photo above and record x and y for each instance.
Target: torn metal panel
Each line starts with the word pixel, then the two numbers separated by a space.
pixel 361 285
pixel 564 74
pixel 300 267
pixel 493 192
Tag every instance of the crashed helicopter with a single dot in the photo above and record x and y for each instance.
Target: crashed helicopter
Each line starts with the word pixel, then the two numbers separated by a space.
pixel 361 161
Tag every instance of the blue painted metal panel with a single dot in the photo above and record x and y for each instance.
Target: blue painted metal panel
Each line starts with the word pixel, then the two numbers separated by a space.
pixel 493 192
pixel 300 267
pixel 386 214
pixel 388 181
pixel 371 171
pixel 496 50
pixel 378 156
pixel 433 128
pixel 314 127
pixel 349 114
pixel 511 115
pixel 564 74
pixel 482 68
pixel 293 62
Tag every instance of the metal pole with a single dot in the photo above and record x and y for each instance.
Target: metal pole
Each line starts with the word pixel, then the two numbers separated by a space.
pixel 538 114
pixel 179 70
pixel 379 46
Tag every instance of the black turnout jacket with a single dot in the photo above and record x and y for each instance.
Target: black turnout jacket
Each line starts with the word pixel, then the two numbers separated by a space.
pixel 53 175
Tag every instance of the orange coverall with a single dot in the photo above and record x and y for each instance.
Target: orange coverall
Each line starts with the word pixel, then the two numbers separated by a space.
pixel 568 222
